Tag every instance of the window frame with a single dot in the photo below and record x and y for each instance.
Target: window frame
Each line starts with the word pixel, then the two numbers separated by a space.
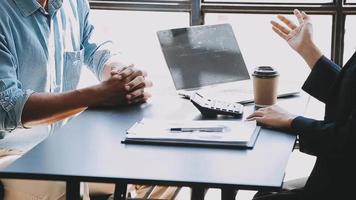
pixel 198 8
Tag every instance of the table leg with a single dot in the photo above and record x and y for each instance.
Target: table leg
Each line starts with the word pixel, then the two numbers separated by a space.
pixel 198 193
pixel 120 191
pixel 228 193
pixel 73 189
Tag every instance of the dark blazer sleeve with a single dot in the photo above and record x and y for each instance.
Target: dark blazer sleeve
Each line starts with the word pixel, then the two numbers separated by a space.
pixel 326 138
pixel 321 79
pixel 322 137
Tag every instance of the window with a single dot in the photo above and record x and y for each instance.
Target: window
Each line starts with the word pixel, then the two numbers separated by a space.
pixel 327 15
pixel 134 34
pixel 350 39
pixel 274 1
pixel 350 1
pixel 261 46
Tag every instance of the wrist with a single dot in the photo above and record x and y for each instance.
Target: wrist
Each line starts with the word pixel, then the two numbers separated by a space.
pixel 90 95
pixel 290 121
pixel 310 53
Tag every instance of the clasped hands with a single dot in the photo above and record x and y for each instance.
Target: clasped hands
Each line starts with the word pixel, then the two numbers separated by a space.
pixel 126 85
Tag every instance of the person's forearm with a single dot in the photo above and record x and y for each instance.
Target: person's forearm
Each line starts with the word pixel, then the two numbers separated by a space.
pixel 311 54
pixel 47 108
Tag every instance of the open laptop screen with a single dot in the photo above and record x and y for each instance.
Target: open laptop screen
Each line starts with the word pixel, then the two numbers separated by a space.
pixel 202 55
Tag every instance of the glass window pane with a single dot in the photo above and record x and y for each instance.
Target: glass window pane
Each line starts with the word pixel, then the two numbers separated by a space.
pixel 261 46
pixel 274 1
pixel 163 1
pixel 350 39
pixel 134 36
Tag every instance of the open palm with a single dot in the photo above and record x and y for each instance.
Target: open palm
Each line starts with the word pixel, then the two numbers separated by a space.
pixel 297 36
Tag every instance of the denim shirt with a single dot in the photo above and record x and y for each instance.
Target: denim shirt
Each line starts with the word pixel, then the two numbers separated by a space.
pixel 43 51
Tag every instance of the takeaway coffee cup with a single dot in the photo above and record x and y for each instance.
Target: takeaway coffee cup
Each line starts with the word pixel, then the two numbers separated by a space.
pixel 265 86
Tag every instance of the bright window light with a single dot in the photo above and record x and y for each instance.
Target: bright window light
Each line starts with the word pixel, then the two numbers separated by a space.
pixel 134 35
pixel 276 1
pixel 261 46
pixel 350 40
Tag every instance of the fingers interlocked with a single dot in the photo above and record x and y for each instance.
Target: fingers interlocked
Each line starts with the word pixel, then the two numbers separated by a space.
pixel 135 83
pixel 124 72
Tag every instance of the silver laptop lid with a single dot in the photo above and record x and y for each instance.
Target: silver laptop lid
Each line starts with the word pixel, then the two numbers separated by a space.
pixel 205 55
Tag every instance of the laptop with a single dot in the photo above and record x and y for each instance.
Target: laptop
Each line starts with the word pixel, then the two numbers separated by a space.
pixel 207 59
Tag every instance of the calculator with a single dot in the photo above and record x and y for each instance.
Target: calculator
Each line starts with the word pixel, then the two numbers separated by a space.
pixel 213 107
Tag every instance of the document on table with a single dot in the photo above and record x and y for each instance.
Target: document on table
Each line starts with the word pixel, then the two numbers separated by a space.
pixel 200 132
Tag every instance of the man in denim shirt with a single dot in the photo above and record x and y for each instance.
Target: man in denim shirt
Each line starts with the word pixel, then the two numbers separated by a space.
pixel 43 45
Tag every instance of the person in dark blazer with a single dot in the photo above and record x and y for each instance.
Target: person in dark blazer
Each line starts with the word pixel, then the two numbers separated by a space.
pixel 332 140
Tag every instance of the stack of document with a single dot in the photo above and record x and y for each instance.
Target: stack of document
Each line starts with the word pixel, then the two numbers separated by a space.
pixel 203 132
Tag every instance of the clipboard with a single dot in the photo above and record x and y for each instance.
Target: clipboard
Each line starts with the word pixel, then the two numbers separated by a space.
pixel 237 134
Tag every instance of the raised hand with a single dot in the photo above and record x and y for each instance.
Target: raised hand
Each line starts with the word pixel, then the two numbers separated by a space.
pixel 299 37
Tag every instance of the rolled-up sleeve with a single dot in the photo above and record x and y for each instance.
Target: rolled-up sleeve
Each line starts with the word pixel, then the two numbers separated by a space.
pixel 95 54
pixel 12 96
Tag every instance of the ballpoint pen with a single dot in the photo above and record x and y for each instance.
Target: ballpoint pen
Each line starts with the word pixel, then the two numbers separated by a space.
pixel 197 129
